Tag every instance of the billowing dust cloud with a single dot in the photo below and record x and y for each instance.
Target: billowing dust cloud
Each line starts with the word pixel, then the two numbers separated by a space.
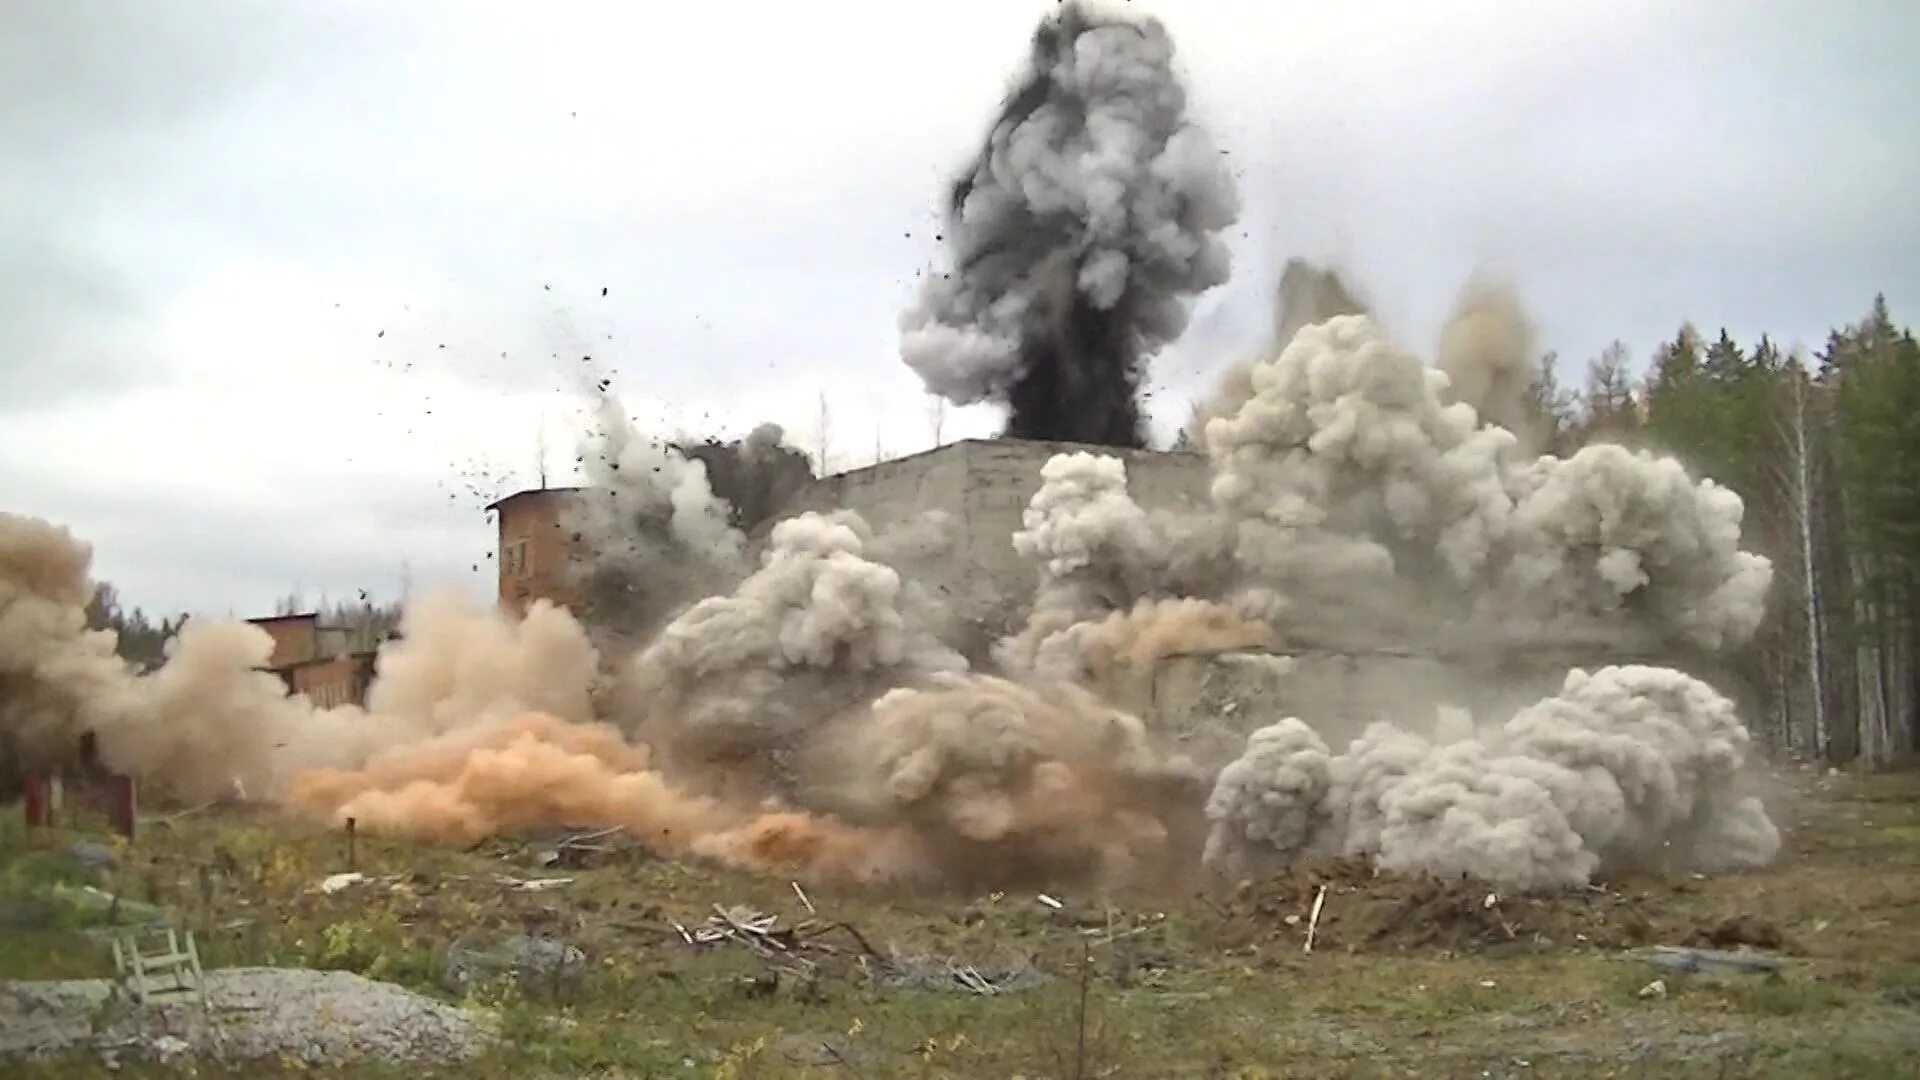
pixel 812 721
pixel 1077 237
pixel 793 704
pixel 1308 294
pixel 1625 767
pixel 1357 506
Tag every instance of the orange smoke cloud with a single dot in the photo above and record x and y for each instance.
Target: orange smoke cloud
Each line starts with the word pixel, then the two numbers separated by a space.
pixel 535 769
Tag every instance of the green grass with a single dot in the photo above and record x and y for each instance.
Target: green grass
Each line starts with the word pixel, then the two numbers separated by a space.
pixel 1201 993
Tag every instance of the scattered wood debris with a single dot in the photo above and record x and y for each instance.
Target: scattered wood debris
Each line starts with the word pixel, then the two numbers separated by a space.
pixel 531 884
pixel 578 849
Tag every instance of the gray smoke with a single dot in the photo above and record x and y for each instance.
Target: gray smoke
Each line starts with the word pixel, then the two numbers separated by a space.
pixel 1356 489
pixel 1077 238
pixel 1010 781
pixel 1626 767
pixel 738 681
pixel 1111 573
pixel 1308 294
pixel 650 535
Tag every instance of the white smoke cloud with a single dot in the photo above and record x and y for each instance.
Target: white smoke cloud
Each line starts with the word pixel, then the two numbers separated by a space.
pixel 1625 766
pixel 1268 803
pixel 1308 294
pixel 1357 489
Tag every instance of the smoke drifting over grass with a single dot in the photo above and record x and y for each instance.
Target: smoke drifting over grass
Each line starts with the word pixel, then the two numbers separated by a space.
pixel 1077 237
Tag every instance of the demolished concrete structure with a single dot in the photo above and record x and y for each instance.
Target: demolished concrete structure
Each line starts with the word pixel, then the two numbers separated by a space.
pixel 983 487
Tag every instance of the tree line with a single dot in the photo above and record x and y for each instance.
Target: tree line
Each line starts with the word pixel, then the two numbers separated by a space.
pixel 1825 453
pixel 140 641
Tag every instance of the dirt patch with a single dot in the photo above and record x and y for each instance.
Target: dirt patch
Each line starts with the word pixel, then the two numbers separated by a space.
pixel 1736 931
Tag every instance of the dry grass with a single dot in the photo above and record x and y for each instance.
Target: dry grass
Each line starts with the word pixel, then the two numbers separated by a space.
pixel 1173 986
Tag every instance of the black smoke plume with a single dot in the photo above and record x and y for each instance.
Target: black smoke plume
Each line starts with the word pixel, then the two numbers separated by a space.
pixel 1077 237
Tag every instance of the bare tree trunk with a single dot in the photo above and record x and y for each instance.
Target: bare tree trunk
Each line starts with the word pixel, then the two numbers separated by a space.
pixel 1802 504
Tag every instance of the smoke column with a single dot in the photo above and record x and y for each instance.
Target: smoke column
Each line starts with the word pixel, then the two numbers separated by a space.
pixel 1077 237
pixel 1487 351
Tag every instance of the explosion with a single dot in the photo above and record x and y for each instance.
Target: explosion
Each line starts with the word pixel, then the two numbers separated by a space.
pixel 795 706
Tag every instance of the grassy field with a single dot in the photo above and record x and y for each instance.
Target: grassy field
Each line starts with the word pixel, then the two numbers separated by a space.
pixel 1406 978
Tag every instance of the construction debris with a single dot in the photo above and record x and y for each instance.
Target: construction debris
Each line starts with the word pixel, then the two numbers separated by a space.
pixel 532 884
pixel 578 849
pixel 952 976
pixel 340 882
pixel 1313 920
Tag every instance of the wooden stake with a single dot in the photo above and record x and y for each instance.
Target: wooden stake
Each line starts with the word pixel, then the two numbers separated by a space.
pixel 353 854
pixel 1313 919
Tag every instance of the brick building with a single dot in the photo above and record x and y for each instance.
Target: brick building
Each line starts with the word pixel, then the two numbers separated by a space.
pixel 317 660
pixel 535 547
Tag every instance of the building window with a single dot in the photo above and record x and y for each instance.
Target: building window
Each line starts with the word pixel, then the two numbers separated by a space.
pixel 516 559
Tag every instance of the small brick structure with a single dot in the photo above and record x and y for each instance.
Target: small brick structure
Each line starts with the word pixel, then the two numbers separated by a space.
pixel 54 799
pixel 62 797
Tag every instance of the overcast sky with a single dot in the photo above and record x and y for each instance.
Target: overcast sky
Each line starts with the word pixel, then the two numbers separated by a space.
pixel 292 289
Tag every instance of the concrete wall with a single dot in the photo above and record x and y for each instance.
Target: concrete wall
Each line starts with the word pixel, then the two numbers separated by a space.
pixel 1207 705
pixel 985 485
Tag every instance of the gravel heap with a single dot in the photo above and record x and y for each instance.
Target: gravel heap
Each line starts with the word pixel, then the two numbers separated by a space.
pixel 311 1018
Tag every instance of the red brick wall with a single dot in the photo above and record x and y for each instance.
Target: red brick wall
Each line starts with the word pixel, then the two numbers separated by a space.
pixel 296 638
pixel 535 549
pixel 339 680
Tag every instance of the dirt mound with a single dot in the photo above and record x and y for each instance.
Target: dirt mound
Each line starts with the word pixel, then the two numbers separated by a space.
pixel 1369 912
pixel 1737 931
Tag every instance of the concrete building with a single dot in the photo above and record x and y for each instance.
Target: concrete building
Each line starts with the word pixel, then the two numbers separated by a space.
pixel 318 661
pixel 985 484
